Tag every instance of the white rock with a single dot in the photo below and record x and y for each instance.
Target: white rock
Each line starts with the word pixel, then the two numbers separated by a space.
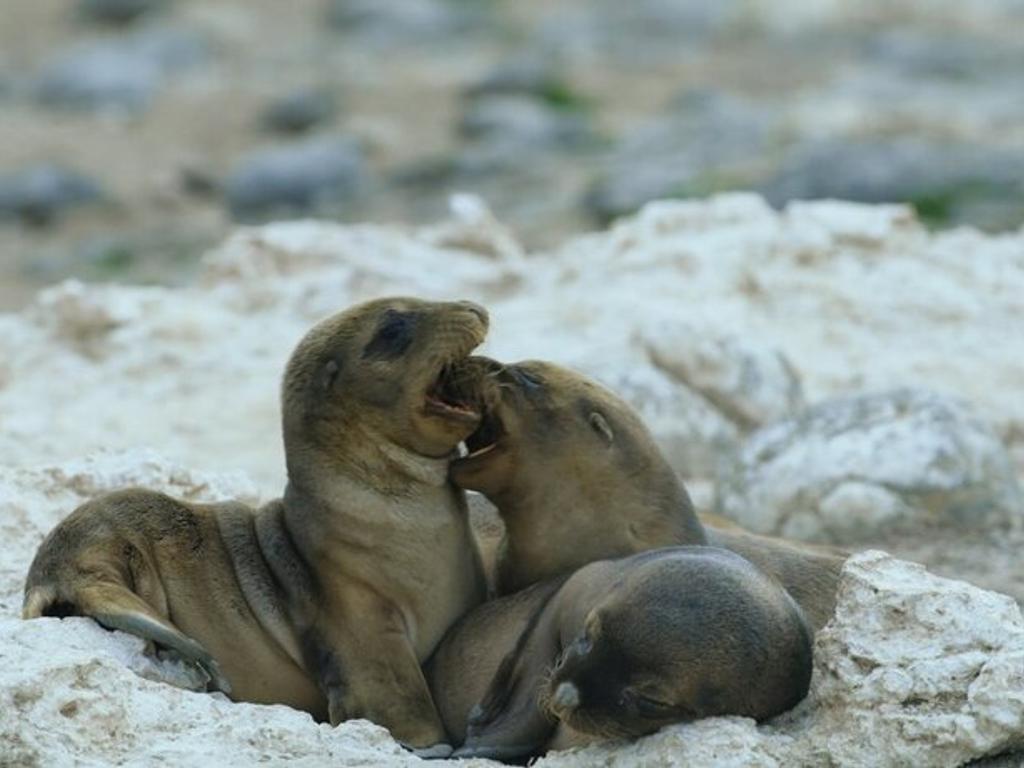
pixel 749 385
pixel 822 284
pixel 474 228
pixel 917 670
pixel 850 468
pixel 68 697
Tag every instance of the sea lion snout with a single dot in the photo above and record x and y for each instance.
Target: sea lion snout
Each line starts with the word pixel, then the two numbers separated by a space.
pixel 565 699
pixel 482 315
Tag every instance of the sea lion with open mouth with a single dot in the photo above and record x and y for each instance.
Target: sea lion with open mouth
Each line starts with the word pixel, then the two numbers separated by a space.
pixel 330 598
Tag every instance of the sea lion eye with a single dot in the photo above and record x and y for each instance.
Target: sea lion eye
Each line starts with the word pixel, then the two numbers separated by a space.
pixel 528 381
pixel 648 707
pixel 393 337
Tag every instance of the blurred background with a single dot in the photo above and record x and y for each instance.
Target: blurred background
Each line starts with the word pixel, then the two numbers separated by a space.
pixel 134 134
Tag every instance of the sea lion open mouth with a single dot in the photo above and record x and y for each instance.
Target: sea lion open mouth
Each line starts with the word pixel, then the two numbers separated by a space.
pixel 450 397
pixel 486 437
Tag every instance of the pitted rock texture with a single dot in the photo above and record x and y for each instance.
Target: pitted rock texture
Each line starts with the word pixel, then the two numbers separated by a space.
pixel 850 468
pixel 912 670
pixel 68 696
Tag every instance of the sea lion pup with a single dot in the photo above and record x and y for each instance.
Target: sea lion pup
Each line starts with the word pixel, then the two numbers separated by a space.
pixel 576 476
pixel 330 598
pixel 569 467
pixel 628 646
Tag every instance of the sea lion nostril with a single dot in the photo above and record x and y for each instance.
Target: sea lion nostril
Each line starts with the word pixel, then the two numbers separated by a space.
pixel 476 309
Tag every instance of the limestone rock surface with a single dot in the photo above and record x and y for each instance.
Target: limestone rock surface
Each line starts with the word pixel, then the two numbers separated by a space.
pixel 852 467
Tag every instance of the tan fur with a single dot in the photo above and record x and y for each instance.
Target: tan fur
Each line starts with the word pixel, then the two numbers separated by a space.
pixel 577 477
pixel 330 598
pixel 655 638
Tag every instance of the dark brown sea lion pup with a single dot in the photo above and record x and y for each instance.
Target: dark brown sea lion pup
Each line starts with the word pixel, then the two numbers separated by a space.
pixel 576 476
pixel 628 646
pixel 330 598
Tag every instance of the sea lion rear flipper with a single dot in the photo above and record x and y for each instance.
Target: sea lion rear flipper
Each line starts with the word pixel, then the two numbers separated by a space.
pixel 116 607
pixel 509 721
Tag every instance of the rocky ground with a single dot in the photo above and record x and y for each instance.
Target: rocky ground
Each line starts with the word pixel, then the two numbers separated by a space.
pixel 136 133
pixel 827 371
pixel 785 367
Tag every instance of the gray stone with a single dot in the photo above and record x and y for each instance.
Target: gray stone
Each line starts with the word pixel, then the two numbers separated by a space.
pixel 918 53
pixel 315 175
pixel 39 194
pixel 523 122
pixel 118 12
pixel 854 468
pixel 400 21
pixel 942 180
pixel 639 32
pixel 529 73
pixel 121 75
pixel 300 110
pixel 708 142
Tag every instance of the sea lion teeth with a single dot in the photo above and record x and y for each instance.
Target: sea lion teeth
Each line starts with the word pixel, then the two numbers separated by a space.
pixel 441 408
pixel 481 451
pixel 446 396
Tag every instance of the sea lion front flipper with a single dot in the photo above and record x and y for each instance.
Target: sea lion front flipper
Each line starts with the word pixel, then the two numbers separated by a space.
pixel 509 722
pixel 383 683
pixel 116 607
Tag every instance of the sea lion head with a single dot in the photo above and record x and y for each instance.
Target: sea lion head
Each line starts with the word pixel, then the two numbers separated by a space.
pixel 542 420
pixel 565 459
pixel 387 372
pixel 680 638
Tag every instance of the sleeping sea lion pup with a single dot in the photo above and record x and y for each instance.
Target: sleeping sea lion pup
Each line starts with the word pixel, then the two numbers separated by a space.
pixel 628 646
pixel 576 476
pixel 329 598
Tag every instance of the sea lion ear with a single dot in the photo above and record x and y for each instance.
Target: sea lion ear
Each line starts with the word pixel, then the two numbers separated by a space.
pixel 329 374
pixel 601 426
